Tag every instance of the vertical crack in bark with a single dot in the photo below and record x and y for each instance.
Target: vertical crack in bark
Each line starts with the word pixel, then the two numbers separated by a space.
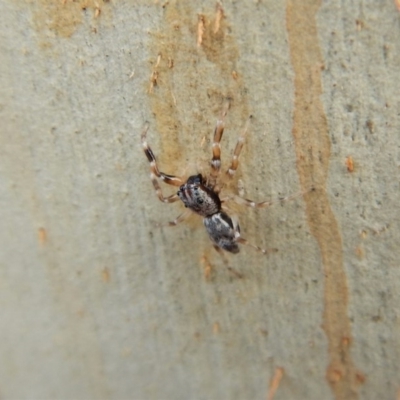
pixel 310 131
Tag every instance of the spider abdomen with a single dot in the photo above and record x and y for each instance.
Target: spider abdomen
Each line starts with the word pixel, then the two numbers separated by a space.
pixel 222 232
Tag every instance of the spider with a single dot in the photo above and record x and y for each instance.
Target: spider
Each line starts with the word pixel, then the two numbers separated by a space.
pixel 201 195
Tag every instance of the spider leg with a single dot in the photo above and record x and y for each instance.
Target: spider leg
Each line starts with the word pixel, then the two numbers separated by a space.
pixel 180 218
pixel 226 262
pixel 216 149
pixel 241 240
pixel 239 145
pixel 244 241
pixel 263 204
pixel 156 173
pixel 260 249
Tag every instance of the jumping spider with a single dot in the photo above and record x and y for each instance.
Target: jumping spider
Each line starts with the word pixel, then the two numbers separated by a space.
pixel 202 195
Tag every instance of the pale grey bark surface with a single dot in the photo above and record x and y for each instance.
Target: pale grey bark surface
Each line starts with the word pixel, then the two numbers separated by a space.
pixel 97 300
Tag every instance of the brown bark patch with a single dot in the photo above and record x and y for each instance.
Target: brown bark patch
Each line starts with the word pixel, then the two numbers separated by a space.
pixel 193 70
pixel 313 149
pixel 63 17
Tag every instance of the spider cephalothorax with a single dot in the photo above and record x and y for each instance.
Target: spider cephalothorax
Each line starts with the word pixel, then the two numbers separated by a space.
pixel 198 197
pixel 202 196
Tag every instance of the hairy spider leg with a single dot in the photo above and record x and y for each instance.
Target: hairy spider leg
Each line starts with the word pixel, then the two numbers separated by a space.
pixel 260 249
pixel 239 146
pixel 156 173
pixel 241 240
pixel 226 262
pixel 216 150
pixel 263 204
pixel 180 218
